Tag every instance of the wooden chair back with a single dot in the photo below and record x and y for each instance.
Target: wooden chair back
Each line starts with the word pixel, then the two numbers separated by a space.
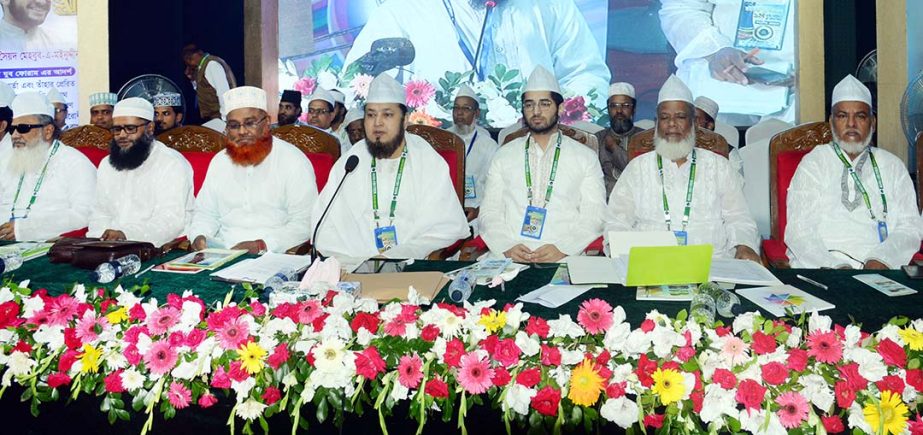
pixel 451 148
pixel 198 145
pixel 792 145
pixel 91 140
pixel 309 139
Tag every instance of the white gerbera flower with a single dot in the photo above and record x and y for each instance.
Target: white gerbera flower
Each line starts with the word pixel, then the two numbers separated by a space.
pixel 250 409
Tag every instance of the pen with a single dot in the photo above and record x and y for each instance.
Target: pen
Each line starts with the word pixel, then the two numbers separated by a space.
pixel 750 55
pixel 145 270
pixel 811 281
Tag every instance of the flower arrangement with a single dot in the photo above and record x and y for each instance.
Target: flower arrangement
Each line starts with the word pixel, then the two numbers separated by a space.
pixel 431 103
pixel 339 354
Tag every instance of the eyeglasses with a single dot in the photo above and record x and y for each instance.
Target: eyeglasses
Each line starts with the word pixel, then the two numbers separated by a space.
pixel 318 111
pixel 23 128
pixel 251 125
pixel 617 106
pixel 542 104
pixel 463 108
pixel 56 110
pixel 129 128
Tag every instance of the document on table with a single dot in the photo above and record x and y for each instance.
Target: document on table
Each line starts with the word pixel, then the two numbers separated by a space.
pixel 597 270
pixel 741 272
pixel 258 270
pixel 553 296
pixel 777 299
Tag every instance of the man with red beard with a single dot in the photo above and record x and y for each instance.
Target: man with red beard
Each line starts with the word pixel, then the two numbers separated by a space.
pixel 143 188
pixel 399 201
pixel 520 219
pixel 259 190
pixel 692 192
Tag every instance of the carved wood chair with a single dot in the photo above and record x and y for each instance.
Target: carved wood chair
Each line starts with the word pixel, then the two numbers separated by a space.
pixel 91 140
pixel 198 145
pixel 321 148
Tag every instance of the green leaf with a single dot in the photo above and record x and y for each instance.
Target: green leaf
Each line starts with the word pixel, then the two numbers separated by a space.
pixel 321 413
pixel 913 364
pixel 111 417
pixel 682 315
pixel 899 320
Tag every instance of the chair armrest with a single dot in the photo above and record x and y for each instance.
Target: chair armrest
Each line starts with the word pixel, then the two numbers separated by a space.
pixel 775 253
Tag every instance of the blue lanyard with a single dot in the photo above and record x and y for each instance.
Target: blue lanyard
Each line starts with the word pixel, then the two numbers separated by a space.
pixel 471 145
pixel 461 39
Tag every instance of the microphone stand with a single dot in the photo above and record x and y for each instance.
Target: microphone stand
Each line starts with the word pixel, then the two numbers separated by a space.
pixel 314 253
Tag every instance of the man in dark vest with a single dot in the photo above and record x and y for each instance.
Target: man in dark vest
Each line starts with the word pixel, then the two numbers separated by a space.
pixel 211 77
pixel 613 141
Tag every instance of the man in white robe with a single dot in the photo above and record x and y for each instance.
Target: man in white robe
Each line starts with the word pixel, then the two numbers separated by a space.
pixel 259 191
pixel 143 188
pixel 21 28
pixel 417 208
pixel 321 106
pixel 47 186
pixel 60 108
pixel 479 148
pixel 706 113
pixel 829 223
pixel 717 212
pixel 353 127
pixel 555 207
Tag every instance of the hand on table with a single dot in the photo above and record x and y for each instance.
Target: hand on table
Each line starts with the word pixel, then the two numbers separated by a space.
pixel 519 253
pixel 252 247
pixel 113 235
pixel 875 265
pixel 547 254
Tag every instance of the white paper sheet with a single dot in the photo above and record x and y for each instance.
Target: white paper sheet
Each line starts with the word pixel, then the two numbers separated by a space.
pixel 553 296
pixel 258 270
pixel 741 272
pixel 621 242
pixel 776 298
pixel 597 270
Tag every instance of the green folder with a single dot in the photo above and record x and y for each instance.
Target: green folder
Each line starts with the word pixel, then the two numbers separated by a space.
pixel 668 265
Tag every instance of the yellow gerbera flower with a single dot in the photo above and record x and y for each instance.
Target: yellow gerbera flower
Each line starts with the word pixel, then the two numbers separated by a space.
pixel 585 384
pixel 912 337
pixel 493 321
pixel 89 359
pixel 887 416
pixel 251 357
pixel 118 316
pixel 669 385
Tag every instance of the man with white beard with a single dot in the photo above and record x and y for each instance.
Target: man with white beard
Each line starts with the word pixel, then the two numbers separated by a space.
pixel 851 205
pixel 690 191
pixel 479 147
pixel 47 186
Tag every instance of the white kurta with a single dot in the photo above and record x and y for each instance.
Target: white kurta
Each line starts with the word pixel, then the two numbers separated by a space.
pixel 64 201
pixel 477 161
pixel 343 137
pixel 13 38
pixel 6 145
pixel 818 223
pixel 428 215
pixel 719 215
pixel 271 201
pixel 216 76
pixel 151 203
pixel 576 207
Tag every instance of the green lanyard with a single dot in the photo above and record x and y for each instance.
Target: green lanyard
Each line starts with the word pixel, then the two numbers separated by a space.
pixel 689 186
pixel 860 187
pixel 38 185
pixel 554 171
pixel 202 62
pixel 397 188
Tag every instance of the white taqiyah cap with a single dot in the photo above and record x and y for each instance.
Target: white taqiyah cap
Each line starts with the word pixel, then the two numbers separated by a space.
pixel 31 103
pixel 674 90
pixel 135 106
pixel 707 105
pixel 384 89
pixel 542 80
pixel 851 89
pixel 244 97
pixel 622 88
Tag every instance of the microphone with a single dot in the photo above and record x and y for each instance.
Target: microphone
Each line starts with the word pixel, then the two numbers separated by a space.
pixel 350 166
pixel 386 54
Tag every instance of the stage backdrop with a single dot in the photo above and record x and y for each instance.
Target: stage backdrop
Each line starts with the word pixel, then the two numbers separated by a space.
pixel 433 45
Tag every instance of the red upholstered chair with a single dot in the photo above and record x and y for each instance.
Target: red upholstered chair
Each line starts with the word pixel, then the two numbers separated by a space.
pixel 91 140
pixel 198 144
pixel 706 139
pixel 322 149
pixel 786 150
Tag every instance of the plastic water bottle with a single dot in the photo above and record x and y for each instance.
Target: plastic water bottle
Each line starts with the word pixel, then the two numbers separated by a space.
pixel 727 304
pixel 10 261
pixel 280 279
pixel 461 287
pixel 702 308
pixel 110 270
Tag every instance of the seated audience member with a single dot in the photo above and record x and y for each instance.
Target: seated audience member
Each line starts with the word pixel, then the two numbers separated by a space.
pixel 101 105
pixel 613 141
pixel 479 148
pixel 168 111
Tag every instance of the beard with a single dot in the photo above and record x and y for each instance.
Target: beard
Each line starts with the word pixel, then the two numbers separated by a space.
pixel 620 125
pixel 122 159
pixel 28 159
pixel 671 150
pixel 385 149
pixel 286 119
pixel 464 130
pixel 249 154
pixel 853 147
pixel 542 130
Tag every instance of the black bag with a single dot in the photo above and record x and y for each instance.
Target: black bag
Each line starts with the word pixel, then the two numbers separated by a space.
pixel 87 253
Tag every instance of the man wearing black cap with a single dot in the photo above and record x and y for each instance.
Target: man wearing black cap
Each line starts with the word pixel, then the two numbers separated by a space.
pixel 289 109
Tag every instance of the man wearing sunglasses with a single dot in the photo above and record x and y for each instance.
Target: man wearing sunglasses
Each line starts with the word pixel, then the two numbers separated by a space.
pixel 47 187
pixel 259 190
pixel 144 188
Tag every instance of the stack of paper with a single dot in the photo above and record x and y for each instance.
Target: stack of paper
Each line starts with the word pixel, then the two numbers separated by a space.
pixel 741 272
pixel 258 270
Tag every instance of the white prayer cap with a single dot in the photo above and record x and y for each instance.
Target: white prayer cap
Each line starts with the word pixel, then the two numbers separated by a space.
pixel 6 94
pixel 338 96
pixel 167 99
pixel 135 106
pixel 54 96
pixel 466 91
pixel 622 88
pixel 542 80
pixel 384 89
pixel 707 105
pixel 674 90
pixel 323 95
pixel 244 97
pixel 851 89
pixel 103 99
pixel 354 114
pixel 31 103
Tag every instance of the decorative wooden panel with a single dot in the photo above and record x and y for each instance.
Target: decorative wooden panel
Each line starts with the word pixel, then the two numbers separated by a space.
pixel 87 136
pixel 309 139
pixel 193 138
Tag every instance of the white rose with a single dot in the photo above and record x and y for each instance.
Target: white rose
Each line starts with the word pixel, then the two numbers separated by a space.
pixel 817 391
pixel 20 363
pixel 53 336
pixel 818 322
pixel 620 411
pixel 717 402
pixel 500 113
pixel 616 336
pixel 794 338
pixel 31 306
pixel 528 345
pixel 518 398
pixel 563 326
pixel 744 322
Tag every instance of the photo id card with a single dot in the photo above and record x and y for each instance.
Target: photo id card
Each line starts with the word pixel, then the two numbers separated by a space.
pixel 385 238
pixel 470 192
pixel 534 222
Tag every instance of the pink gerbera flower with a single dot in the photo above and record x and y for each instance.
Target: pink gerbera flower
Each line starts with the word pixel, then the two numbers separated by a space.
pixel 308 311
pixel 794 409
pixel 825 347
pixel 360 85
pixel 62 310
pixel 735 350
pixel 410 371
pixel 89 328
pixel 474 374
pixel 233 334
pixel 595 316
pixel 160 358
pixel 419 93
pixel 179 395
pixel 306 85
pixel 160 321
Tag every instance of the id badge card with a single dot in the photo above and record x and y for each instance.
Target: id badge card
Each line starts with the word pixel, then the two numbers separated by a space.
pixel 682 238
pixel 385 238
pixel 470 192
pixel 882 231
pixel 534 222
pixel 761 24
